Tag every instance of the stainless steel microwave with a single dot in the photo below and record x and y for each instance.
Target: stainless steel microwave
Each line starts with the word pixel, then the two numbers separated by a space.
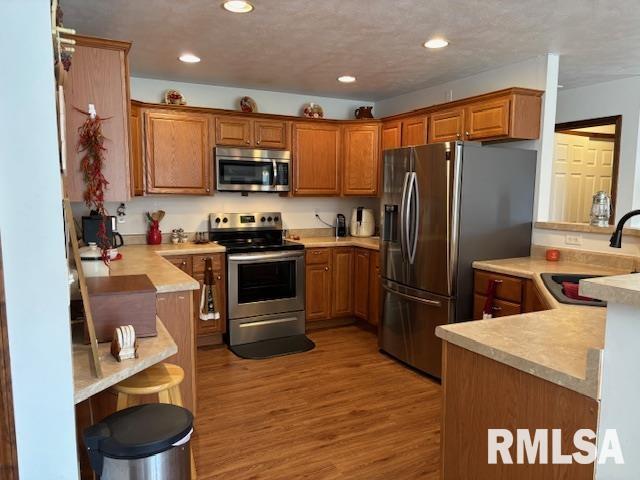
pixel 252 170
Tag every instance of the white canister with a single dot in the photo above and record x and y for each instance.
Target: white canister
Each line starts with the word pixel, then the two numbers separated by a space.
pixel 92 263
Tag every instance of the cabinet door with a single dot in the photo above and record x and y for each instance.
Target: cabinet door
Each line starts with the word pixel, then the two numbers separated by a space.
pixel 99 75
pixel 137 161
pixel 391 134
pixel 361 284
pixel 361 171
pixel 488 119
pixel 374 288
pixel 446 126
pixel 318 292
pixel 271 134
pixel 414 131
pixel 219 275
pixel 178 156
pixel 182 262
pixel 342 280
pixel 233 131
pixel 316 154
pixel 174 309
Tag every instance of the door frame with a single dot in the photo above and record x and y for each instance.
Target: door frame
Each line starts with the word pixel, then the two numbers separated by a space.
pixel 596 122
pixel 8 453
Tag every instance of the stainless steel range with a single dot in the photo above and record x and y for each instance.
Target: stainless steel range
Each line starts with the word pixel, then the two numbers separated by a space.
pixel 265 276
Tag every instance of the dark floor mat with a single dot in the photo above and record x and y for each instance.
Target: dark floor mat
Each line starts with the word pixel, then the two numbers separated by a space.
pixel 274 347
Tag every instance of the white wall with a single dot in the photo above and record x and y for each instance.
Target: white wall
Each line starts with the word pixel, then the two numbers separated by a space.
pixel 620 97
pixel 35 268
pixel 191 213
pixel 213 96
pixel 594 242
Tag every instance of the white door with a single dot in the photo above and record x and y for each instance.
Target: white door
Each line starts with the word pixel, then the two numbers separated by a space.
pixel 581 167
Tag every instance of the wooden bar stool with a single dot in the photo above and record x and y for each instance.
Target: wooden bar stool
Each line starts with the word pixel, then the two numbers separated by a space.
pixel 163 379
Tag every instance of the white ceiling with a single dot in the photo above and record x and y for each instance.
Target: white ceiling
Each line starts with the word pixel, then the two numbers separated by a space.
pixel 303 45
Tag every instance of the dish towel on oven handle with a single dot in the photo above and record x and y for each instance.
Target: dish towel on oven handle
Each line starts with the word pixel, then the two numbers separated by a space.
pixel 208 300
pixel 487 311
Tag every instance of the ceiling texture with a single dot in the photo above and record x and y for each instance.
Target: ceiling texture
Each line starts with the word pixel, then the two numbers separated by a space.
pixel 303 45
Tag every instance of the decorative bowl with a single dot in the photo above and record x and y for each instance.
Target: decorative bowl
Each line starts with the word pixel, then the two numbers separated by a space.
pixel 248 105
pixel 174 97
pixel 313 110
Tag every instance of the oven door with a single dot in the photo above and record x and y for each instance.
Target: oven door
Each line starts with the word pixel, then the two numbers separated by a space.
pixel 253 175
pixel 264 283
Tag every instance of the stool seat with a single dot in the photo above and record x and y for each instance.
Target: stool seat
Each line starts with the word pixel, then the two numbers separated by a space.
pixel 155 379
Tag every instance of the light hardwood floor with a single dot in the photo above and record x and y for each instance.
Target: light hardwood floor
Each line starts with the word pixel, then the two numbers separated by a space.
pixel 341 411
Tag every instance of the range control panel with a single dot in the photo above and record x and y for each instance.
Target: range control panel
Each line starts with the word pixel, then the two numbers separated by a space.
pixel 245 221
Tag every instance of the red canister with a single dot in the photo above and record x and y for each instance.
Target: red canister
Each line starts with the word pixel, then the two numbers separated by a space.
pixel 552 255
pixel 154 235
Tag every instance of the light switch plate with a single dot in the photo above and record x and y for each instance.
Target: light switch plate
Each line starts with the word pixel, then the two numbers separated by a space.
pixel 573 239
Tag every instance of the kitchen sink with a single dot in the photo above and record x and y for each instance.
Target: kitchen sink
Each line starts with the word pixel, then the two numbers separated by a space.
pixel 554 281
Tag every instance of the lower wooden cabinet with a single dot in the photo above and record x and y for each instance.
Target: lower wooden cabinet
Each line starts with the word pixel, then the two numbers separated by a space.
pixel 514 295
pixel 342 282
pixel 211 327
pixel 176 312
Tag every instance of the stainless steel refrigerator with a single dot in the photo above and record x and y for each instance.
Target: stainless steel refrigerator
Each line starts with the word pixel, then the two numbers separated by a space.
pixel 443 206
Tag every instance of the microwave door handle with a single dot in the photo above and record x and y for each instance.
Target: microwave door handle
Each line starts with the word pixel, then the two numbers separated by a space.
pixel 275 173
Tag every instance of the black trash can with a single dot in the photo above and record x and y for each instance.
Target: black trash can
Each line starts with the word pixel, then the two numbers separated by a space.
pixel 147 442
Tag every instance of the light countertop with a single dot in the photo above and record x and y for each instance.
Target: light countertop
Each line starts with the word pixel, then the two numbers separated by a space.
pixel 372 243
pixel 166 277
pixel 562 345
pixel 151 350
pixel 623 289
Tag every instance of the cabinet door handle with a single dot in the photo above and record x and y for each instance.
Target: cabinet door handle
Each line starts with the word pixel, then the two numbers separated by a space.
pixel 457 135
pixel 219 277
pixel 184 262
pixel 466 133
pixel 258 142
pixel 326 269
pixel 246 141
pixel 208 190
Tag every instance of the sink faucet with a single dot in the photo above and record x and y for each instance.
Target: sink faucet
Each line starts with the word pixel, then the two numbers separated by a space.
pixel 616 238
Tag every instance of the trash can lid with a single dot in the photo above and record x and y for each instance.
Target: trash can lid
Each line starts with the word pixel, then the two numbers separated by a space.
pixel 139 432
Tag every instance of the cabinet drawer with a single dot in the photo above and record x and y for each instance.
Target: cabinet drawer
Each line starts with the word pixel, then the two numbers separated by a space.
pixel 509 288
pixel 501 308
pixel 315 256
pixel 182 262
pixel 217 260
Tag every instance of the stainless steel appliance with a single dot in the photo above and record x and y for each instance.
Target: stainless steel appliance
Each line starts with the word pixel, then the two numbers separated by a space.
pixel 91 226
pixel 252 170
pixel 443 206
pixel 265 276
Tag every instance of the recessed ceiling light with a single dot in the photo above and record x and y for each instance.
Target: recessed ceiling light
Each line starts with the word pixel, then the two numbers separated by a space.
pixel 189 58
pixel 237 6
pixel 346 79
pixel 436 43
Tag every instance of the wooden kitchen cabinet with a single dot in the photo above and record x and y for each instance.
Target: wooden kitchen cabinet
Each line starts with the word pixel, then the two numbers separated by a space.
pixel 184 263
pixel 99 75
pixel 446 126
pixel 514 295
pixel 318 284
pixel 488 119
pixel 361 166
pixel 414 131
pixel 137 159
pixel 178 156
pixel 234 131
pixel 211 327
pixel 271 134
pixel 361 283
pixel 374 288
pixel 317 158
pixel 342 282
pixel 176 312
pixel 391 134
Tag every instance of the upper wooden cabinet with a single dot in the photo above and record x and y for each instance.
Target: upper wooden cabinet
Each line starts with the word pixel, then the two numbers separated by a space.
pixel 446 126
pixel 391 134
pixel 137 159
pixel 317 162
pixel 514 115
pixel 178 156
pixel 414 131
pixel 99 75
pixel 361 167
pixel 246 132
pixel 233 131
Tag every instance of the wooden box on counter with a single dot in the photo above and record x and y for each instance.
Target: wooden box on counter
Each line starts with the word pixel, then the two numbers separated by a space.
pixel 122 300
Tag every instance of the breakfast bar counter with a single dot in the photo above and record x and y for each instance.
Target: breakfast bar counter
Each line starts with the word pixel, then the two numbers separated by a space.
pixel 371 243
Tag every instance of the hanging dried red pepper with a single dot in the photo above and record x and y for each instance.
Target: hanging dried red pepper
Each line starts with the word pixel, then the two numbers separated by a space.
pixel 91 143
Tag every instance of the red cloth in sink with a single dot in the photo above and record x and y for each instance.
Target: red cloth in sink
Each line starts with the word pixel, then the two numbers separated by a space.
pixel 571 290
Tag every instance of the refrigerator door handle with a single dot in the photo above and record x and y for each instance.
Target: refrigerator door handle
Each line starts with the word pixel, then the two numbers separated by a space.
pixel 424 301
pixel 414 200
pixel 404 218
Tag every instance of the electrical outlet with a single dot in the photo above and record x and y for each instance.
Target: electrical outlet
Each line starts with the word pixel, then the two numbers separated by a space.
pixel 573 239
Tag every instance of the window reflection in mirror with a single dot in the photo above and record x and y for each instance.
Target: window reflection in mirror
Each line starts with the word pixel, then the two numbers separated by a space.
pixel 585 162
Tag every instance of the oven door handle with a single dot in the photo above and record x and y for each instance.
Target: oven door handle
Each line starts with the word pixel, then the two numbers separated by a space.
pixel 263 257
